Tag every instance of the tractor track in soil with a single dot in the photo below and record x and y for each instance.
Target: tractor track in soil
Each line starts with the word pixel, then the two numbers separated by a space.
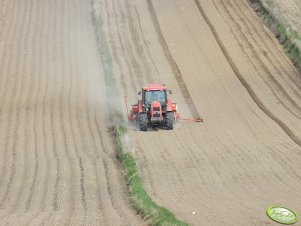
pixel 57 154
pixel 270 79
pixel 221 62
pixel 172 63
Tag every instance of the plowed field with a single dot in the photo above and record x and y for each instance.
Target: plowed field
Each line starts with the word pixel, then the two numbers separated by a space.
pixel 57 158
pixel 223 64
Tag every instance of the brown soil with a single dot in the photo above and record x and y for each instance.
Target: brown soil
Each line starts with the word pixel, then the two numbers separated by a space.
pixel 57 159
pixel 223 64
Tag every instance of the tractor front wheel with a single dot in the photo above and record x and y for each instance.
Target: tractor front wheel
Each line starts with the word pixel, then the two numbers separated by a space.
pixel 170 118
pixel 142 121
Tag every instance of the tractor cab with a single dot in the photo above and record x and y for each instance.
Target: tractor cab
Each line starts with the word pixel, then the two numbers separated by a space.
pixel 149 96
pixel 154 92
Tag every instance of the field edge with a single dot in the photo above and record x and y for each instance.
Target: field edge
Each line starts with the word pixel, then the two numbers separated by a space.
pixel 288 37
pixel 140 200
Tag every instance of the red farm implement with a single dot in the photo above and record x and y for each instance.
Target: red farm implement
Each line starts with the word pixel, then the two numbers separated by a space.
pixel 155 108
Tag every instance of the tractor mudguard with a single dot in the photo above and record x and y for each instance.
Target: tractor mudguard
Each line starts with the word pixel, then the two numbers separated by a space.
pixel 140 107
pixel 169 105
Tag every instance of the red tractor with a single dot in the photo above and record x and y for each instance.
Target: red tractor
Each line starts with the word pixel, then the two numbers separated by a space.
pixel 154 108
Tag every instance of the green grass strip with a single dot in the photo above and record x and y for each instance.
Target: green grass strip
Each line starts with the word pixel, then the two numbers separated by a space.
pixel 284 32
pixel 139 198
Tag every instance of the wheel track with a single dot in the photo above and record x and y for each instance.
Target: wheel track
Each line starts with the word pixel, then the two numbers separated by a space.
pixel 175 69
pixel 229 152
pixel 252 94
pixel 265 146
pixel 293 72
pixel 195 156
pixel 292 77
pixel 278 88
pixel 272 39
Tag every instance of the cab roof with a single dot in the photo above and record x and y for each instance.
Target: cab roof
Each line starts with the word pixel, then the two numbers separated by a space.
pixel 154 87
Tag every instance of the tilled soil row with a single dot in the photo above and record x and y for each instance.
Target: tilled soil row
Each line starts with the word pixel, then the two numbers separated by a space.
pixel 58 163
pixel 239 79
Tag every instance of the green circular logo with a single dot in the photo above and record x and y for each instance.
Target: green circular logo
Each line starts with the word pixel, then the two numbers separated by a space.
pixel 282 215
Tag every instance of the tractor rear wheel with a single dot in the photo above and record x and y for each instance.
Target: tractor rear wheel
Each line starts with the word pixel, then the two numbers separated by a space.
pixel 142 120
pixel 170 118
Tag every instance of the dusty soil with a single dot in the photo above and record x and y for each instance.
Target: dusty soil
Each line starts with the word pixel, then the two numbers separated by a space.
pixel 57 159
pixel 223 64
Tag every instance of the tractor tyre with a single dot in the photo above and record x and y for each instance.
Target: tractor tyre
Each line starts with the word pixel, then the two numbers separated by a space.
pixel 142 120
pixel 170 118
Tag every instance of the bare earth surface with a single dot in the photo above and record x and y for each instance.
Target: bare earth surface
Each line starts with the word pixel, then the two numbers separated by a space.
pixel 224 65
pixel 57 160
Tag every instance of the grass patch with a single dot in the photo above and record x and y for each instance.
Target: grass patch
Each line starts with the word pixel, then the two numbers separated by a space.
pixel 284 32
pixel 140 200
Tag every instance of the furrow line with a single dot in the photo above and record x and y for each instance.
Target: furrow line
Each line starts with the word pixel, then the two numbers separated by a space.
pixel 125 25
pixel 147 72
pixel 17 100
pixel 63 109
pixel 100 205
pixel 278 87
pixel 36 114
pixel 271 37
pixel 114 51
pixel 146 48
pixel 3 55
pixel 279 66
pixel 172 63
pixel 128 61
pixel 10 96
pixel 108 179
pixel 28 131
pixel 75 82
pixel 54 134
pixel 247 86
